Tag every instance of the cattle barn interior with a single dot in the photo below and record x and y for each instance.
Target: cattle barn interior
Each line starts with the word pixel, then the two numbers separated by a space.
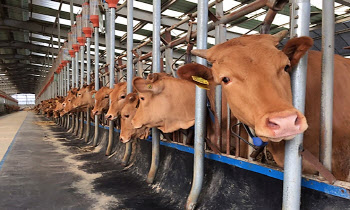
pixel 173 104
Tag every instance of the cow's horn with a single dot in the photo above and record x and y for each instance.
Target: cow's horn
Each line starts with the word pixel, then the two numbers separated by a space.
pixel 280 35
pixel 200 53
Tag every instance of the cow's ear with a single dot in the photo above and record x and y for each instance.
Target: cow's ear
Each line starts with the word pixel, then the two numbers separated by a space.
pixel 296 48
pixel 196 73
pixel 143 86
pixel 132 97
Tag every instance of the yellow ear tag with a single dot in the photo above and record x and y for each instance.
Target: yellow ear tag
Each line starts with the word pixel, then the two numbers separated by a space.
pixel 203 83
pixel 149 86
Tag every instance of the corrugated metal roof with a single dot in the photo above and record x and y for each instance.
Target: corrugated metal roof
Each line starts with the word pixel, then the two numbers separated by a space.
pixel 43 13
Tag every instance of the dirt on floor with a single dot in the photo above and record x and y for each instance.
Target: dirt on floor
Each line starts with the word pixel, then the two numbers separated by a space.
pixel 44 123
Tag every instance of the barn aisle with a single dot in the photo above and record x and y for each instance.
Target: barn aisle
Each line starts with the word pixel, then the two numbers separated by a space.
pixel 9 125
pixel 44 170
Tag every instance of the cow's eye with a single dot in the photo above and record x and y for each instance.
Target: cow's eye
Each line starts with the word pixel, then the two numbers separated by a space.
pixel 142 98
pixel 226 80
pixel 79 94
pixel 126 116
pixel 106 96
pixel 122 97
pixel 286 68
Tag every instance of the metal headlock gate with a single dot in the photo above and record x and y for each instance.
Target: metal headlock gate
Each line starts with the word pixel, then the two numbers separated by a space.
pixel 67 69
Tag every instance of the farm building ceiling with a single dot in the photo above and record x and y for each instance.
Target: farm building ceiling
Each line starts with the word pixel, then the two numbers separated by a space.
pixel 27 31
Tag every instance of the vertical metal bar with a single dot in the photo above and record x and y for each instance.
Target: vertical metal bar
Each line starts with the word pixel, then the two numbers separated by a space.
pixel 300 18
pixel 71 13
pixel 97 82
pixel 228 130
pixel 156 69
pixel 73 64
pixel 169 61
pixel 129 66
pixel 59 30
pixel 68 78
pixel 139 64
pixel 76 69
pixel 220 37
pixel 111 27
pixel 81 66
pixel 88 78
pixel 327 83
pixel 73 73
pixel 81 130
pixel 76 85
pixel 200 113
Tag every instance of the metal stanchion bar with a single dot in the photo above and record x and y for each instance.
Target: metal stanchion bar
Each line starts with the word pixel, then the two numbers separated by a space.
pixel 220 37
pixel 88 78
pixel 200 113
pixel 97 81
pixel 327 83
pixel 129 66
pixel 81 129
pixel 111 27
pixel 300 18
pixel 156 69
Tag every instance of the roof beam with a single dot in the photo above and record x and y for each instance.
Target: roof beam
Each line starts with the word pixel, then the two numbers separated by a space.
pixel 22 45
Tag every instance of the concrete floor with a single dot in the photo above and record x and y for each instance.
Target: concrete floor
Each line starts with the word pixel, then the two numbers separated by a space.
pixel 46 169
pixel 9 125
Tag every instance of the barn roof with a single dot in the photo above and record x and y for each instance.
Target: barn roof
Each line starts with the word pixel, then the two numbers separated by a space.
pixel 28 31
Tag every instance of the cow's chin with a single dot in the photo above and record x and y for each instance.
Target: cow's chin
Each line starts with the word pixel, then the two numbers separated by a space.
pixel 266 139
pixel 126 141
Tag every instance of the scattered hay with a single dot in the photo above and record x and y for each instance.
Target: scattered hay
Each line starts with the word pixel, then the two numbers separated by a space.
pixel 44 123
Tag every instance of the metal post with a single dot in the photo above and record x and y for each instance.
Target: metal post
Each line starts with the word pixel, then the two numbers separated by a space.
pixel 97 81
pixel 300 18
pixel 169 61
pixel 88 79
pixel 71 13
pixel 200 114
pixel 155 68
pixel 81 66
pixel 327 83
pixel 129 67
pixel 76 69
pixel 220 37
pixel 76 85
pixel 139 64
pixel 111 27
pixel 81 130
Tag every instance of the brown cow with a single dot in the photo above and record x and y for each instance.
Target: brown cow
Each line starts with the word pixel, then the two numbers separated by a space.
pixel 68 102
pixel 117 97
pixel 128 131
pixel 59 107
pixel 255 79
pixel 165 102
pixel 85 97
pixel 102 100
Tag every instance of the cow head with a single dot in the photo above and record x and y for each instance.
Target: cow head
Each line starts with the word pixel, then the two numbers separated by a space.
pixel 68 102
pixel 59 107
pixel 255 79
pixel 165 102
pixel 117 97
pixel 128 131
pixel 84 97
pixel 101 100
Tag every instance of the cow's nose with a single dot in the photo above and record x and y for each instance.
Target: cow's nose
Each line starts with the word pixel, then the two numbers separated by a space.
pixel 108 116
pixel 121 139
pixel 284 126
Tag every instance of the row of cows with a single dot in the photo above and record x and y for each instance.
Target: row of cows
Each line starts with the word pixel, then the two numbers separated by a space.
pixel 255 79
